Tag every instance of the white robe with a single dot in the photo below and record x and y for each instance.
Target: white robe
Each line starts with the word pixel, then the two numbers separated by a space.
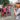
pixel 18 11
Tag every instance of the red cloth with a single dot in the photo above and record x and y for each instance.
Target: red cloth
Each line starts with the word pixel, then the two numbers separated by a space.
pixel 2 13
pixel 4 9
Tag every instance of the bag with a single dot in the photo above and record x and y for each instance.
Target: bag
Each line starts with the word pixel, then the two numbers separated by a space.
pixel 18 14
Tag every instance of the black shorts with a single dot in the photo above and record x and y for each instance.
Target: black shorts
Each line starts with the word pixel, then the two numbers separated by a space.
pixel 4 12
pixel 0 9
pixel 7 12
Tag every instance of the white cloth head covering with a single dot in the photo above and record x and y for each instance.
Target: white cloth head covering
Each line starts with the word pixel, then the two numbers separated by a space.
pixel 0 6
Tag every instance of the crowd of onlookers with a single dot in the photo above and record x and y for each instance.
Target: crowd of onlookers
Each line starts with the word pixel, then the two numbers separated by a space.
pixel 5 11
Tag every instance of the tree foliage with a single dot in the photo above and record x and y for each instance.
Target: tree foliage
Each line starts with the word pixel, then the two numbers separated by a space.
pixel 4 1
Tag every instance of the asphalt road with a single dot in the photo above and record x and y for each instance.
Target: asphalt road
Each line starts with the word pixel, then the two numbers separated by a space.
pixel 8 18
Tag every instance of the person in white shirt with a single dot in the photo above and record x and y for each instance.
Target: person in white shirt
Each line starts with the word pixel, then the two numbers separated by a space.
pixel 17 11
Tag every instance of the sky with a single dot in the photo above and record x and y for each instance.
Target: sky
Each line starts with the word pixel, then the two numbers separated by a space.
pixel 12 1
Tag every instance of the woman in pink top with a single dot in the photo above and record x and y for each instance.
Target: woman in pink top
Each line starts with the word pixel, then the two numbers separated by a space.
pixel 4 9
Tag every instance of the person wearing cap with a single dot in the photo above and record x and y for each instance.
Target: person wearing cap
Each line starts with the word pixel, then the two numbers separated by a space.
pixel 17 11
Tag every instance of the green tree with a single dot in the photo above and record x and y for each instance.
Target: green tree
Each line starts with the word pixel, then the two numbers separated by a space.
pixel 5 2
pixel 1 1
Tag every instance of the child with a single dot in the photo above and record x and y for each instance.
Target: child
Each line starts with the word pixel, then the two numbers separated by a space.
pixel 4 10
pixel 17 11
pixel 8 11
